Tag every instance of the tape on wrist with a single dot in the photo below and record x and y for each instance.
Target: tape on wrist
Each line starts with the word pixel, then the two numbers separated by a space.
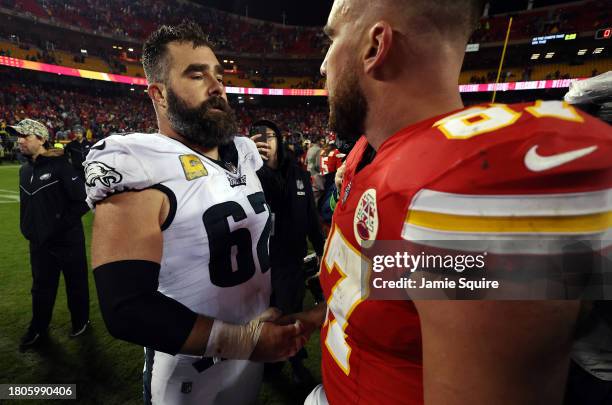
pixel 233 341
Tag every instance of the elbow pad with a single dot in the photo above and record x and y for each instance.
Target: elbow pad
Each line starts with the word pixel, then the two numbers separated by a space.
pixel 133 309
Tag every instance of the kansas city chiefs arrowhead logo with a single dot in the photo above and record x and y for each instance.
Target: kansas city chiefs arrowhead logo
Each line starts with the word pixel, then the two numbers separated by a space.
pixel 98 171
pixel 365 222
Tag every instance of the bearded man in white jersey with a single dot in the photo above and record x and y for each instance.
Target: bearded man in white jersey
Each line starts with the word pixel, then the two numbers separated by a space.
pixel 180 239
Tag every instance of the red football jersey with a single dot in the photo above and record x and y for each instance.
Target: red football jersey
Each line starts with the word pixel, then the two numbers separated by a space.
pixel 331 162
pixel 523 170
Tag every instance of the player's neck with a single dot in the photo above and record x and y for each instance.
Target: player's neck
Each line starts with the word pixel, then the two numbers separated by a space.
pixel 389 117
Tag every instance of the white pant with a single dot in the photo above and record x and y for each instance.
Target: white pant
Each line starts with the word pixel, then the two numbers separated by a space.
pixel 317 396
pixel 174 381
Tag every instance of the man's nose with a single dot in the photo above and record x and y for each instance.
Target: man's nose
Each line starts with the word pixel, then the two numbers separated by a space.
pixel 216 89
pixel 323 68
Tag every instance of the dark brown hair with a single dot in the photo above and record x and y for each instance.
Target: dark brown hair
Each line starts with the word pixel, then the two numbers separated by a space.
pixel 155 60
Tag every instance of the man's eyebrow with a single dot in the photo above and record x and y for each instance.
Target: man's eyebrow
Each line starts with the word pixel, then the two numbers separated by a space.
pixel 202 67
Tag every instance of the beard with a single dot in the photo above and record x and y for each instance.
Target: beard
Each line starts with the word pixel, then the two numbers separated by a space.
pixel 348 108
pixel 201 125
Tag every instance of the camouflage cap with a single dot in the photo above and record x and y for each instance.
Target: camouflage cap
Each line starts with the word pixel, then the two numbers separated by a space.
pixel 30 127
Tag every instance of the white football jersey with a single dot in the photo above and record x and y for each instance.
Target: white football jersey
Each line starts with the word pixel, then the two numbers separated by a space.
pixel 215 250
pixel 215 239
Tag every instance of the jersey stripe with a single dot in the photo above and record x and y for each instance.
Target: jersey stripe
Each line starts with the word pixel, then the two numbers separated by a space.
pixel 592 223
pixel 513 205
pixel 529 224
pixel 508 243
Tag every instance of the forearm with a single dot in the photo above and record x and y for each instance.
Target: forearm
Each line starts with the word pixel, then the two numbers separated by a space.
pixel 135 311
pixel 312 319
pixel 198 338
pixel 316 315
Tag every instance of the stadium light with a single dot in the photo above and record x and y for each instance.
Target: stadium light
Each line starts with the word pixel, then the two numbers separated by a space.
pixel 231 61
pixel 84 51
pixel 131 49
pixel 582 52
pixel 114 46
pixel 224 60
pixel 598 50
pixel 535 56
pixel 131 89
pixel 251 98
pixel 549 55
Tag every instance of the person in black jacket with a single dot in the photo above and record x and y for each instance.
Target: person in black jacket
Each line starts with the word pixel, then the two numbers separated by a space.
pixel 77 151
pixel 52 202
pixel 289 193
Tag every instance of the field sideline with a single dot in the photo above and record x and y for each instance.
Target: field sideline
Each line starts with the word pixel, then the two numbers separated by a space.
pixel 106 371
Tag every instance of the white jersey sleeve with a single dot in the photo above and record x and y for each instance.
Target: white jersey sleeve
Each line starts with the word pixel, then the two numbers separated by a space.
pixel 113 166
pixel 248 148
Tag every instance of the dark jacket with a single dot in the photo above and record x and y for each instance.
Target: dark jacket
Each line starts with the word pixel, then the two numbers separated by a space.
pixel 289 193
pixel 77 152
pixel 52 197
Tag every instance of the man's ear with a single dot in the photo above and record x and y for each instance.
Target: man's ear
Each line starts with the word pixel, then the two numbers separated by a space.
pixel 157 93
pixel 379 40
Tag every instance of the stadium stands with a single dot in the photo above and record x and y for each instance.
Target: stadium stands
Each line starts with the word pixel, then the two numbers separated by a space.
pixel 537 72
pixel 133 20
pixel 584 17
pixel 136 19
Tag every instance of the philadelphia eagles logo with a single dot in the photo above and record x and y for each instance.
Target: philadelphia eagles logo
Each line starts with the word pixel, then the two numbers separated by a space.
pixel 98 171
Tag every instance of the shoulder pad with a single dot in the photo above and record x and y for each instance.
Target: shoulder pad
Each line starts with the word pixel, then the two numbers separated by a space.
pixel 247 150
pixel 112 166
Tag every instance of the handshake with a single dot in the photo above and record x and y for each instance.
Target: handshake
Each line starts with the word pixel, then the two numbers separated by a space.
pixel 270 337
pixel 281 337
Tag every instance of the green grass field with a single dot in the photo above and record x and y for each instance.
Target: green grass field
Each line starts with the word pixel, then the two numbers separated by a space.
pixel 106 371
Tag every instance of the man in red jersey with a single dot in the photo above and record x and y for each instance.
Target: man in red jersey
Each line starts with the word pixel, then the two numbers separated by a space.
pixel 426 169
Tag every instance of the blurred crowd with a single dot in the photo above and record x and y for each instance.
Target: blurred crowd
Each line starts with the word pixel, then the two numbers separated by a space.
pixel 571 18
pixel 524 75
pixel 102 113
pixel 62 109
pixel 136 19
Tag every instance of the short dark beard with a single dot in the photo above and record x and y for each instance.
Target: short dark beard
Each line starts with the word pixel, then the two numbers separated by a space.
pixel 200 125
pixel 348 108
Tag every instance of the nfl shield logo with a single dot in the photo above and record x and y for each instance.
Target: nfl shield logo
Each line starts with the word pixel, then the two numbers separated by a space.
pixel 300 184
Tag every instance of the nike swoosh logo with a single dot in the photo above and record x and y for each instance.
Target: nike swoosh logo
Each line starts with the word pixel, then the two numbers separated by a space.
pixel 538 163
pixel 99 147
pixel 74 178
